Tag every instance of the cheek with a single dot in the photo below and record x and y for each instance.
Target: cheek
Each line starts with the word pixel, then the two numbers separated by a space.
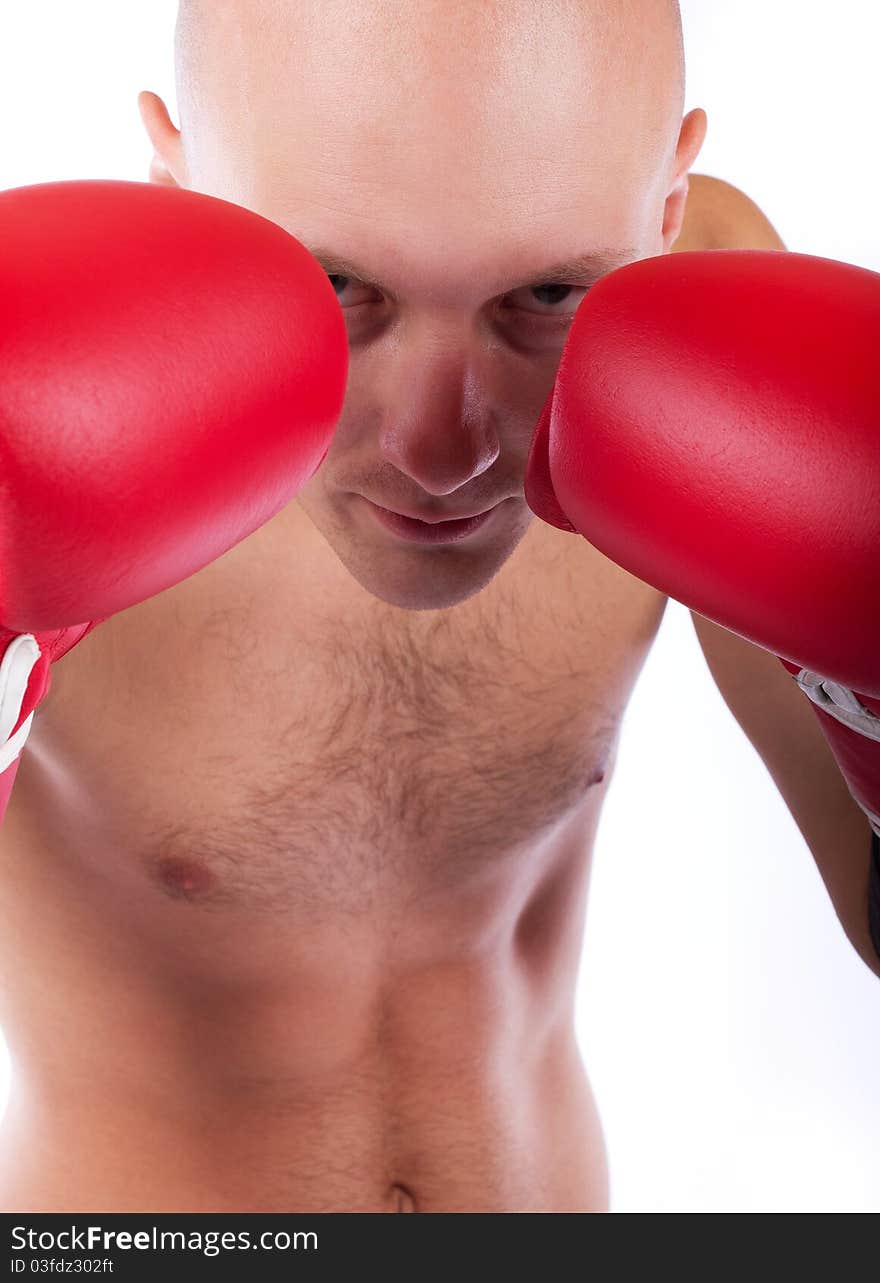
pixel 525 393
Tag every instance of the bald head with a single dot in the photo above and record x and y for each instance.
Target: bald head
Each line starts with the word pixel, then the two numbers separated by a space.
pixel 441 83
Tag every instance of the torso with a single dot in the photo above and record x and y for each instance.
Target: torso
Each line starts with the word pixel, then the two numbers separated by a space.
pixel 294 886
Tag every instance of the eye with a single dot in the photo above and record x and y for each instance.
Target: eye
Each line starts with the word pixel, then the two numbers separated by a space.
pixel 347 287
pixel 553 302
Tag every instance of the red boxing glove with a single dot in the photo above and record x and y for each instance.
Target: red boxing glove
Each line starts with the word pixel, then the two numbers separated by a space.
pixel 172 367
pixel 715 430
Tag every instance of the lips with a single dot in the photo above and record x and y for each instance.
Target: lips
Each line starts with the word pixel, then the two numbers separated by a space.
pixel 433 530
pixel 431 519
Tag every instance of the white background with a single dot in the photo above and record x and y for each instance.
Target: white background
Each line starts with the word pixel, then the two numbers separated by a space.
pixel 735 1050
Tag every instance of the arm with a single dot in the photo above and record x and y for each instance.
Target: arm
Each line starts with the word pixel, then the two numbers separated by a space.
pixel 768 707
pixel 782 728
pixel 765 702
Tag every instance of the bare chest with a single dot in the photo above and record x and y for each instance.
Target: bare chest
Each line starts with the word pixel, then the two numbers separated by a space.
pixel 247 740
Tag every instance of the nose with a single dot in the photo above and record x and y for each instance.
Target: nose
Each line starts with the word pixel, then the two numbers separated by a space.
pixel 437 427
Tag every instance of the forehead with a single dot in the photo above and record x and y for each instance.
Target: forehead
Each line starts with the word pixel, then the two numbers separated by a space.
pixel 439 142
pixel 442 220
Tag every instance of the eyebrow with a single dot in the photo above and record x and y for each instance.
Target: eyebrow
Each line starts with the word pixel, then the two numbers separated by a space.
pixel 595 264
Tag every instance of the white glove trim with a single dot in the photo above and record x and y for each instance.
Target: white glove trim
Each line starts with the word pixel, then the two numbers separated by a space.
pixel 12 748
pixel 848 709
pixel 16 667
pixel 840 702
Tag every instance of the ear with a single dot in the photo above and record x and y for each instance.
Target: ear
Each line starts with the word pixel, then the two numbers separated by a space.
pixel 690 140
pixel 167 166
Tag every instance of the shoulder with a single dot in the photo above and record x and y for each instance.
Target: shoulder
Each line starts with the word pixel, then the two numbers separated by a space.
pixel 721 216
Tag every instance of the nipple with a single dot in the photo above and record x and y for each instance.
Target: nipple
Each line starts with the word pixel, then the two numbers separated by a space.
pixel 184 879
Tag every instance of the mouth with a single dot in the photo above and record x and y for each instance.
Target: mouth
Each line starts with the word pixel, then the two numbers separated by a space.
pixel 431 530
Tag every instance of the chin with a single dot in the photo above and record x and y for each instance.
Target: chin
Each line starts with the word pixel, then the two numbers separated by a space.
pixel 418 578
pixel 430 579
pixel 422 580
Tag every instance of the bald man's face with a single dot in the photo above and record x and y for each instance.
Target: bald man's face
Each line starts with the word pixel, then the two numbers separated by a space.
pixel 464 173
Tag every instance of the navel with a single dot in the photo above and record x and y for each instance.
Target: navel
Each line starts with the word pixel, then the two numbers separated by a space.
pixel 400 1199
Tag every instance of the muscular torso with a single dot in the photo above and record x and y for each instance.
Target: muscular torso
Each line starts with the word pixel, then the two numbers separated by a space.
pixel 292 891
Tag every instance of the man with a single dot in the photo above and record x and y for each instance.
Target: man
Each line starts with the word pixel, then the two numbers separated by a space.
pixel 297 859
